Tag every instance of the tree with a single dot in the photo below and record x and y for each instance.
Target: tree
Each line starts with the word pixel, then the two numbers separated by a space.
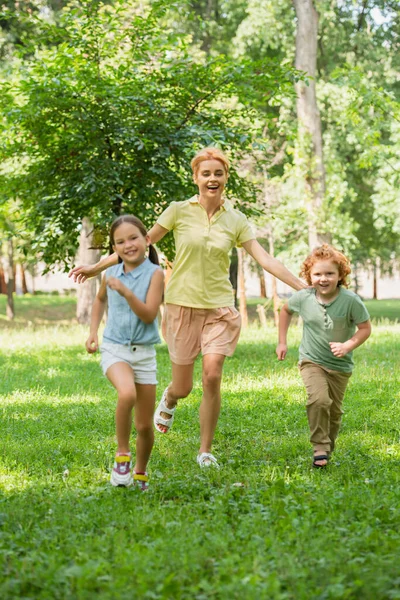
pixel 107 119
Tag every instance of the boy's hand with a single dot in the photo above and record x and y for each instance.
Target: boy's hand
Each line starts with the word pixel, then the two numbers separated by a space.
pixel 281 351
pixel 115 284
pixel 338 349
pixel 92 343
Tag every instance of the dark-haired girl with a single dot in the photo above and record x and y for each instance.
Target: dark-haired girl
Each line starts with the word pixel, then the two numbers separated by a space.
pixel 133 289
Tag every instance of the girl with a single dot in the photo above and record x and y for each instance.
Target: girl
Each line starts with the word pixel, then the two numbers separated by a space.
pixel 199 315
pixel 133 289
pixel 330 316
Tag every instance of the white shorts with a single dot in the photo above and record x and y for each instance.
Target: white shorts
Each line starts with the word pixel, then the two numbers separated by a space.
pixel 141 358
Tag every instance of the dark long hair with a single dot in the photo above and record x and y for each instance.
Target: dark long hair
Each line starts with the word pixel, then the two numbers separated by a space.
pixel 153 256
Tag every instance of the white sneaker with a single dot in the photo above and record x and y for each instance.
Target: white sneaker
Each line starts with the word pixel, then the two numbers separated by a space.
pixel 206 459
pixel 121 474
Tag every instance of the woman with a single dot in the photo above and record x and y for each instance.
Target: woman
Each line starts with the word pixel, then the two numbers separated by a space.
pixel 199 313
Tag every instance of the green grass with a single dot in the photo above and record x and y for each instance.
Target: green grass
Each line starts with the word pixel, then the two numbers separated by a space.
pixel 265 526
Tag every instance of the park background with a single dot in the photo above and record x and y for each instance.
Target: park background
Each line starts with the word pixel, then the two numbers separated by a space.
pixel 103 104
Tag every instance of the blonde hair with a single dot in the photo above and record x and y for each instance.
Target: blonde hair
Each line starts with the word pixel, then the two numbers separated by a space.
pixel 327 252
pixel 209 154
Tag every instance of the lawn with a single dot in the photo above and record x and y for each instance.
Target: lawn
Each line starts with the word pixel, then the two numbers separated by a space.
pixel 265 526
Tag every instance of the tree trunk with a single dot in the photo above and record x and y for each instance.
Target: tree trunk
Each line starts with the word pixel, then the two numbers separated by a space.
pixel 23 280
pixel 309 120
pixel 233 274
pixel 242 290
pixel 375 282
pixel 261 277
pixel 87 256
pixel 269 193
pixel 9 279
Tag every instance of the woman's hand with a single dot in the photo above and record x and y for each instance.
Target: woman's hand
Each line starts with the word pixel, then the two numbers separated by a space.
pixel 82 273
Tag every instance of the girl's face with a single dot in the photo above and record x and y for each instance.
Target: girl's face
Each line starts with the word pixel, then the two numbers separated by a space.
pixel 211 179
pixel 130 244
pixel 325 278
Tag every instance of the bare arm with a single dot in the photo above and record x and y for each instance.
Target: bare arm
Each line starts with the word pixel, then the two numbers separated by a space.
pixel 146 311
pixel 361 335
pixel 285 317
pixel 272 265
pixel 83 272
pixel 98 308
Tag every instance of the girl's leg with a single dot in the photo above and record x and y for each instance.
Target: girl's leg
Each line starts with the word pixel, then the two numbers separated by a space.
pixel 180 387
pixel 211 402
pixel 144 410
pixel 121 376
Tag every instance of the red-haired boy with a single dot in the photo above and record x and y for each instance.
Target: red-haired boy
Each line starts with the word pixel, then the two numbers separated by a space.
pixel 335 322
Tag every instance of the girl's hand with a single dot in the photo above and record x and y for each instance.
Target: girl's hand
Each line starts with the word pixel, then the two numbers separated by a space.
pixel 338 349
pixel 115 284
pixel 92 343
pixel 81 273
pixel 281 351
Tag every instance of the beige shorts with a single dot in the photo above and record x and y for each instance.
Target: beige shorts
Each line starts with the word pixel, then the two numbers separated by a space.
pixel 189 331
pixel 141 359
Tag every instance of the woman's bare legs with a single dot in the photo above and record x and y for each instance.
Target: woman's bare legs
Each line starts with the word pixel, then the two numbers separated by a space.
pixel 181 386
pixel 211 403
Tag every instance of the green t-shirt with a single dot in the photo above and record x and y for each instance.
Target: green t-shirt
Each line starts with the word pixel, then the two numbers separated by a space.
pixel 324 323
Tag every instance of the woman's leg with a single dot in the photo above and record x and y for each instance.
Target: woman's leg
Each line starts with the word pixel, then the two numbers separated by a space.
pixel 144 410
pixel 211 402
pixel 121 376
pixel 180 387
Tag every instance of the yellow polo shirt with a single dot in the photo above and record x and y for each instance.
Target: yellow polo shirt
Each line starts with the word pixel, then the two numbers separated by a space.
pixel 200 275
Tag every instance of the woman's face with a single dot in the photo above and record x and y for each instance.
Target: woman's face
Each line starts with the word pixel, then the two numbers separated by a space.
pixel 211 179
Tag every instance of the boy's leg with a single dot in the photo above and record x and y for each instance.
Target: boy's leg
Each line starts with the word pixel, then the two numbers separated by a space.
pixel 144 410
pixel 121 376
pixel 337 383
pixel 318 406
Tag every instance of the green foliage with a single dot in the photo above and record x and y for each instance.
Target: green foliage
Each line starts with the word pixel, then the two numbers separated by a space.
pixel 265 526
pixel 107 120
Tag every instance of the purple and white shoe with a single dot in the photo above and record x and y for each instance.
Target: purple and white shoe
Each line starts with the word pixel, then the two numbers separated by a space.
pixel 121 475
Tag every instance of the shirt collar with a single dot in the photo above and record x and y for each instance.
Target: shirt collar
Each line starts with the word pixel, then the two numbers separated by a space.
pixel 135 273
pixel 226 205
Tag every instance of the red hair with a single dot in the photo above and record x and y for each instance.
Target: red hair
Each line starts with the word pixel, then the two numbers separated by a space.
pixel 209 154
pixel 326 252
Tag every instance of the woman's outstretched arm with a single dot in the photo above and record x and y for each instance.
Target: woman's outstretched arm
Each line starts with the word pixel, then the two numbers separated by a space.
pixel 272 265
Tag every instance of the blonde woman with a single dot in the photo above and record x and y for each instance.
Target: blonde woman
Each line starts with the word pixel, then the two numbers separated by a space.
pixel 199 315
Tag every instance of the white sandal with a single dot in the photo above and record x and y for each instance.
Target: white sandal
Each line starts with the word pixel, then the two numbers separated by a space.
pixel 205 459
pixel 162 407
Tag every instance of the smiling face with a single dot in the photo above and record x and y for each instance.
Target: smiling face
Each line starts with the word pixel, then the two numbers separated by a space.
pixel 130 244
pixel 325 278
pixel 211 179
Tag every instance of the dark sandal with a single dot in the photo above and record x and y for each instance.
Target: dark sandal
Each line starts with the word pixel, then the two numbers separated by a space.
pixel 318 458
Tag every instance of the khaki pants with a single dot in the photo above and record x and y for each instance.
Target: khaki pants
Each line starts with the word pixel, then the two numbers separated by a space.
pixel 325 390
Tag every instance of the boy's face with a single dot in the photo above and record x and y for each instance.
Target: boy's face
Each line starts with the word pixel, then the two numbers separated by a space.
pixel 325 278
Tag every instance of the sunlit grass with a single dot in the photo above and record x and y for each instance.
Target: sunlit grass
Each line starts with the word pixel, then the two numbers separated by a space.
pixel 265 526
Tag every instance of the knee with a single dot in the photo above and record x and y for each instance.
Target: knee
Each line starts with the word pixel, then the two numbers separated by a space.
pixel 323 401
pixel 143 428
pixel 181 391
pixel 127 397
pixel 211 378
